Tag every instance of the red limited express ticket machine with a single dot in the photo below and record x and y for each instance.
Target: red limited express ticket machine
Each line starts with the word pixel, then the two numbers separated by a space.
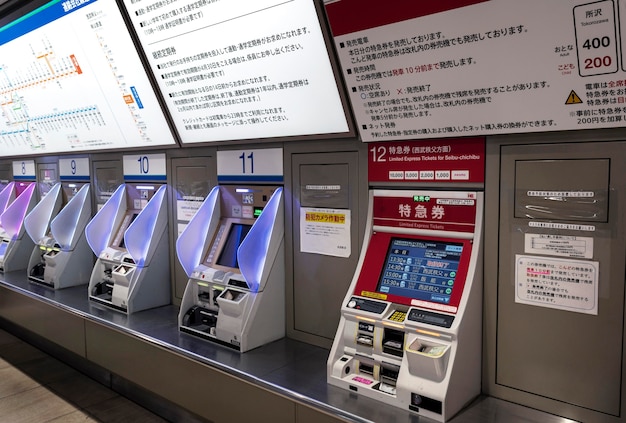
pixel 410 327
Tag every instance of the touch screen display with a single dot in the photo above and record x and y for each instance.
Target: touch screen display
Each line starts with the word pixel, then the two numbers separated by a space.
pixel 236 235
pixel 421 269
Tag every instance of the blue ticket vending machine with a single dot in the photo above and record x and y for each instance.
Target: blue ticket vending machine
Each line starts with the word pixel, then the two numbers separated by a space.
pixel 233 252
pixel 17 199
pixel 410 327
pixel 129 237
pixel 61 256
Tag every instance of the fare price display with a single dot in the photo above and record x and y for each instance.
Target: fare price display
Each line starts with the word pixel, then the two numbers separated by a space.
pixel 596 40
pixel 421 270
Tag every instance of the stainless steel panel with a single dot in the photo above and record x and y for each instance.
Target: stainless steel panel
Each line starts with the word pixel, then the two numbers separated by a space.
pixel 63 328
pixel 108 175
pixel 200 389
pixel 572 189
pixel 320 281
pixel 190 178
pixel 557 360
pixel 308 415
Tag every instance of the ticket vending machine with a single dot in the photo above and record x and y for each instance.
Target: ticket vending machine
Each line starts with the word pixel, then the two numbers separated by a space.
pixel 61 256
pixel 233 252
pixel 17 199
pixel 410 327
pixel 129 237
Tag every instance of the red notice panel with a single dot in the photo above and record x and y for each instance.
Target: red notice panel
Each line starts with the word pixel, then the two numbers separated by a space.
pixel 348 16
pixel 427 212
pixel 451 160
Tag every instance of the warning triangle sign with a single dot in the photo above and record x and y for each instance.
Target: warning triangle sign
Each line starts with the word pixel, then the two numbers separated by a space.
pixel 573 98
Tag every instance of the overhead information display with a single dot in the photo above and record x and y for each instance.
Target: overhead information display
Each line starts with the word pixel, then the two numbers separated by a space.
pixel 71 80
pixel 473 67
pixel 232 70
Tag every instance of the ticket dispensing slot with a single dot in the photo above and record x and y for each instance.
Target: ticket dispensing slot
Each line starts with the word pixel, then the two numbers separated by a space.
pixel 232 251
pixel 129 237
pixel 410 327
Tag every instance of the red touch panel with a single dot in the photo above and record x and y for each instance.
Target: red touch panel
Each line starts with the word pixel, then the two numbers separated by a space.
pixel 374 267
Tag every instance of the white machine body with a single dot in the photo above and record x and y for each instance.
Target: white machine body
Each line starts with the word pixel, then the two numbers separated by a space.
pixel 235 263
pixel 61 256
pixel 129 237
pixel 15 248
pixel 410 327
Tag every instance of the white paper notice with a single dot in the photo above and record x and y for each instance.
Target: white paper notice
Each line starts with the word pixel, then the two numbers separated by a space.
pixel 187 207
pixel 325 231
pixel 559 245
pixel 557 283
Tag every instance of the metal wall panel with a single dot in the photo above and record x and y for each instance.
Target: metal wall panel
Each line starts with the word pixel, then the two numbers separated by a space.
pixel 190 177
pixel 551 356
pixel 205 391
pixel 58 326
pixel 325 181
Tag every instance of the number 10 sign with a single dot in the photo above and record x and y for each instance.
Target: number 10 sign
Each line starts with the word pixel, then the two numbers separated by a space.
pixel 146 167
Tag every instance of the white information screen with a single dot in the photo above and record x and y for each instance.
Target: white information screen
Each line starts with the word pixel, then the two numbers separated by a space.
pixel 240 69
pixel 71 80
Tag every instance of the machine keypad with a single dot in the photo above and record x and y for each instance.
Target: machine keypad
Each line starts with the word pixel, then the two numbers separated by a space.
pixel 398 316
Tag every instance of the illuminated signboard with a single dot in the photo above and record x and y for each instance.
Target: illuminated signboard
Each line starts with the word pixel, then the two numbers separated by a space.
pixel 465 68
pixel 71 80
pixel 245 69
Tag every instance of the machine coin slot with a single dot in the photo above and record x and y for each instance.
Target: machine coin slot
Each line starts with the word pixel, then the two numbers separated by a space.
pixel 216 293
pixel 393 342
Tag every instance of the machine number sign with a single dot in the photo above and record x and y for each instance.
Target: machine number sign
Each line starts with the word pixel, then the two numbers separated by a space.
pixel 261 165
pixel 145 167
pixel 76 168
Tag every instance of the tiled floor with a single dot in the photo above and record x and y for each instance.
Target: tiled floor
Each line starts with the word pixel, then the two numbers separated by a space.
pixel 37 388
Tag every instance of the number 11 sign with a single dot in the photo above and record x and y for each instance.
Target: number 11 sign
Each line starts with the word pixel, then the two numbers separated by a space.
pixel 249 165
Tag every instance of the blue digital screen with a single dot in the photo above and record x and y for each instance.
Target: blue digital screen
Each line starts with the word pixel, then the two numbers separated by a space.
pixel 421 269
pixel 236 235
